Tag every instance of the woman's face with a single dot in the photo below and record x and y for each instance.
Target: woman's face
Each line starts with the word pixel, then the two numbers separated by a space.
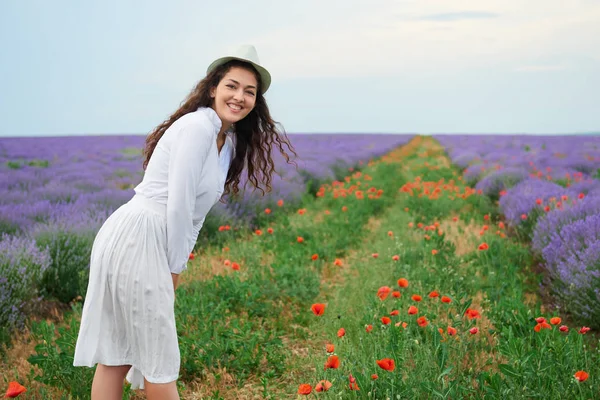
pixel 235 96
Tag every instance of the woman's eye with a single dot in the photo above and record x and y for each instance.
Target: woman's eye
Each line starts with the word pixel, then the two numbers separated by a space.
pixel 250 93
pixel 231 86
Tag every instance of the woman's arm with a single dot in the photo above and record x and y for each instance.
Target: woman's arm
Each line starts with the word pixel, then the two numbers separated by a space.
pixel 175 278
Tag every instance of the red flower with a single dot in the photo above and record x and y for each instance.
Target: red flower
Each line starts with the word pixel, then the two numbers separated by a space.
pixel 383 292
pixel 235 266
pixel 451 331
pixel 584 330
pixel 330 348
pixel 338 262
pixel 474 330
pixel 563 328
pixel 471 314
pixel 369 328
pixel 14 389
pixel 540 320
pixel 280 203
pixel 523 217
pixel 483 246
pixel 581 376
pixel 300 239
pixel 191 257
pixel 258 232
pixel 390 233
pixel 323 386
pixel 542 325
pixel 305 389
pixel 395 312
pixel 387 364
pixel 434 252
pixel 318 308
pixel 267 211
pixel 385 320
pixel 555 320
pixel 396 294
pixel 434 294
pixel 446 299
pixel 332 362
pixel 375 255
pixel 341 332
pixel 412 310
pixel 422 322
pixel 416 297
pixel 403 282
pixel 315 257
pixel 395 257
pixel 374 377
pixel 270 231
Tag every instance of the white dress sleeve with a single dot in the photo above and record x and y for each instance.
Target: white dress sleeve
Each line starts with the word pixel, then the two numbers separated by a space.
pixel 188 154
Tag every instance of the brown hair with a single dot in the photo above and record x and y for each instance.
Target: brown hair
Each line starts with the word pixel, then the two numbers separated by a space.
pixel 255 134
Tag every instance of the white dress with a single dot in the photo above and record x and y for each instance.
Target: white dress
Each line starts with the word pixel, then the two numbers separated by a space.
pixel 128 314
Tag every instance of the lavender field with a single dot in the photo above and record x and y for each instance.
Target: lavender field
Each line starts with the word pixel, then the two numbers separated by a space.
pixel 55 193
pixel 548 188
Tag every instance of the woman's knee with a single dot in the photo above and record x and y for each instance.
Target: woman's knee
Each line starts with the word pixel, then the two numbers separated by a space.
pixel 161 391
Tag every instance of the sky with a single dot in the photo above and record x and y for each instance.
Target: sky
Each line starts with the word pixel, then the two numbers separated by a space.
pixel 353 66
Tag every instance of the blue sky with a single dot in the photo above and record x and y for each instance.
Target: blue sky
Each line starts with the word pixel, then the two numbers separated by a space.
pixel 394 66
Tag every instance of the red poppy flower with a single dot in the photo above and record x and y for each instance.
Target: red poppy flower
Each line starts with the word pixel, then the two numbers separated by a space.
pixel 471 314
pixel 369 328
pixel 330 348
pixel 403 282
pixel 563 328
pixel 258 232
pixel 235 266
pixel 396 294
pixel 542 325
pixel 280 203
pixel 315 257
pixel 323 386
pixel 270 231
pixel 446 299
pixel 267 211
pixel 227 263
pixel 341 332
pixel 474 330
pixel 304 389
pixel 387 364
pixel 375 255
pixel 396 257
pixel 434 294
pixel 338 262
pixel 434 252
pixel 395 312
pixel 390 233
pixel 581 376
pixel 555 320
pixel 383 292
pixel 483 246
pixel 318 308
pixel 416 297
pixel 374 377
pixel 385 320
pixel 540 320
pixel 584 330
pixel 451 331
pixel 332 362
pixel 14 389
pixel 412 310
pixel 422 322
pixel 191 257
pixel 300 239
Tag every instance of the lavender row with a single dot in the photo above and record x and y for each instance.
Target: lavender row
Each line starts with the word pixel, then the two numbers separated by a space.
pixel 549 189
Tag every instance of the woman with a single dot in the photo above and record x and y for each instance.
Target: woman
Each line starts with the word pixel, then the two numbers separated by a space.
pixel 198 154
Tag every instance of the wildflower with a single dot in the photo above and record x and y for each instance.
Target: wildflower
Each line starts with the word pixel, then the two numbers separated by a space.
pixel 191 257
pixel 341 332
pixel 375 255
pixel 563 328
pixel 422 322
pixel 451 331
pixel 323 386
pixel 369 328
pixel 416 297
pixel 581 376
pixel 315 257
pixel 403 282
pixel 14 389
pixel 555 320
pixel 333 362
pixel 471 314
pixel 387 364
pixel 474 330
pixel 542 325
pixel 374 377
pixel 385 320
pixel 329 348
pixel 235 266
pixel 395 257
pixel 353 385
pixel 434 294
pixel 395 312
pixel 383 292
pixel 483 246
pixel 434 252
pixel 280 202
pixel 412 310
pixel 227 263
pixel 318 308
pixel 267 211
pixel 270 231
pixel 396 294
pixel 258 232
pixel 338 262
pixel 304 389
pixel 584 330
pixel 540 320
pixel 390 233
pixel 446 299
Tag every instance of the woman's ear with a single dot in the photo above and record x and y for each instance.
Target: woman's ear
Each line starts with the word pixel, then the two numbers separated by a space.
pixel 212 92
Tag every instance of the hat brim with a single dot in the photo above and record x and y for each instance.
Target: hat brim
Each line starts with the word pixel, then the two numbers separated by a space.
pixel 265 76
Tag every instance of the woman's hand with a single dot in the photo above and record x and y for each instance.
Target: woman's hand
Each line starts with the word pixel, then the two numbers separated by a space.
pixel 175 278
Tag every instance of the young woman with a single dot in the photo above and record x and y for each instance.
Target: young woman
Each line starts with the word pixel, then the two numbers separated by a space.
pixel 191 159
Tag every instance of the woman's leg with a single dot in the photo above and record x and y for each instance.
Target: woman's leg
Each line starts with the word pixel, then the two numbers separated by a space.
pixel 161 391
pixel 108 382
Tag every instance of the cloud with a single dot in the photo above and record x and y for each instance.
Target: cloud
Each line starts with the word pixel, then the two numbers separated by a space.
pixel 540 68
pixel 458 16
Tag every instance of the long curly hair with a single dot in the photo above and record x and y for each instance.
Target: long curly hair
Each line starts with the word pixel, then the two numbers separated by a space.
pixel 255 135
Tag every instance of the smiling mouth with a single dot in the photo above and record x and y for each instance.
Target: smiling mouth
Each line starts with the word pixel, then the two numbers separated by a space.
pixel 234 108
